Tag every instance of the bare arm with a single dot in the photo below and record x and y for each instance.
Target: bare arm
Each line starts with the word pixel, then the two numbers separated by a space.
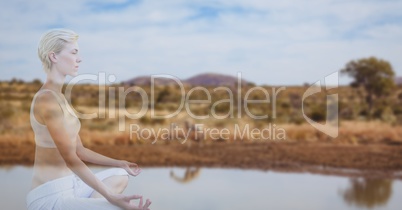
pixel 88 155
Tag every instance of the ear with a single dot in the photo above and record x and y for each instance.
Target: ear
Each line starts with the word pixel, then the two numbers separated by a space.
pixel 52 57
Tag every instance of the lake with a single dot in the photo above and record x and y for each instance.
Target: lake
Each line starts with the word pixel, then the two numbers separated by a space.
pixel 224 189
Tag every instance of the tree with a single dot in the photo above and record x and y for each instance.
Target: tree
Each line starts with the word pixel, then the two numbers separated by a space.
pixel 376 76
pixel 36 82
pixel 368 192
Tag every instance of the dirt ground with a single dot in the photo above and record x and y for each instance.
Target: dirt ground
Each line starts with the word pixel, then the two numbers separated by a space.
pixel 371 160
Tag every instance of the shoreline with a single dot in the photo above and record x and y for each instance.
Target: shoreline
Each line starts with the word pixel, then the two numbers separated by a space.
pixel 369 161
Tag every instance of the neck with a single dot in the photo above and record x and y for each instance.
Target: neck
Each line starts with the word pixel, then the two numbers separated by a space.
pixel 54 80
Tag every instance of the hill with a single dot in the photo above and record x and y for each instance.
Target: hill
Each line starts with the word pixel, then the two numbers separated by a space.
pixel 205 79
pixel 398 80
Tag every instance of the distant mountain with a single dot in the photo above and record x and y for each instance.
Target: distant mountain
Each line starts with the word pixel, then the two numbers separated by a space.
pixel 398 80
pixel 206 79
pixel 213 79
pixel 146 80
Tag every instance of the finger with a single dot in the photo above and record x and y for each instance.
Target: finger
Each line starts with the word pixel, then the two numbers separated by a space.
pixel 134 207
pixel 132 197
pixel 133 165
pixel 135 172
pixel 140 205
pixel 132 173
pixel 147 204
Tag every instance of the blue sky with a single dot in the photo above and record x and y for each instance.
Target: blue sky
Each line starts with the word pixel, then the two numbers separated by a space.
pixel 286 42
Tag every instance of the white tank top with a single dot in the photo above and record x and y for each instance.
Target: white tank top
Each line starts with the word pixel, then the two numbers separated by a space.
pixel 71 123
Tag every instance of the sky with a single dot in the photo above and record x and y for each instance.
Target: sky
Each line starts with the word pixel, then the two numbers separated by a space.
pixel 287 42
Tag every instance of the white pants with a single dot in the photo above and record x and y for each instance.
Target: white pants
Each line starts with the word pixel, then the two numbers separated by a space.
pixel 70 192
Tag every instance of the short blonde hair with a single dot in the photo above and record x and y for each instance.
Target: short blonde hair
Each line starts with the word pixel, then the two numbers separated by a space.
pixel 54 41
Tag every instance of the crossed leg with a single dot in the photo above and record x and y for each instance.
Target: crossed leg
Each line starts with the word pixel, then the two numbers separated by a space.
pixel 116 184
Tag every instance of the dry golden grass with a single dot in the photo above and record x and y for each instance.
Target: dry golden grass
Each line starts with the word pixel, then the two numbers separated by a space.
pixel 107 133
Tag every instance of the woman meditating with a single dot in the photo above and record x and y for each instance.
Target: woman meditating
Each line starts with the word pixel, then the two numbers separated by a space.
pixel 61 180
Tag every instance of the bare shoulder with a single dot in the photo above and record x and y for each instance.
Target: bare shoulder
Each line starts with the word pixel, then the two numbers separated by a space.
pixel 48 106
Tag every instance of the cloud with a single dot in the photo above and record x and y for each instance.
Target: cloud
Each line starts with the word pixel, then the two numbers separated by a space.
pixel 283 42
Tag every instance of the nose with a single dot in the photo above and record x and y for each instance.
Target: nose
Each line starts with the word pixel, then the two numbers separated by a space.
pixel 79 60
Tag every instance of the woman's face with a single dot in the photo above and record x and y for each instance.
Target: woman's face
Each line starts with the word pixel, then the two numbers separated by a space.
pixel 68 59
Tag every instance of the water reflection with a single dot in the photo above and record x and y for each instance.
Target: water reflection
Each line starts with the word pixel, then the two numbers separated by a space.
pixel 190 174
pixel 368 193
pixel 232 189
